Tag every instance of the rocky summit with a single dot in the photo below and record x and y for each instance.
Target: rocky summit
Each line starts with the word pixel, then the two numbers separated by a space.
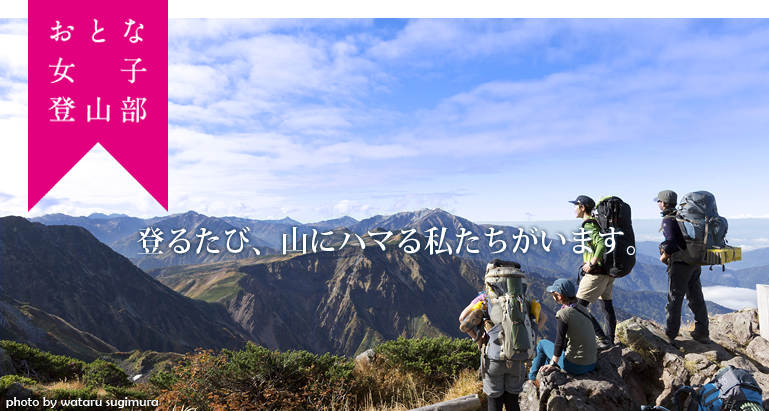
pixel 646 369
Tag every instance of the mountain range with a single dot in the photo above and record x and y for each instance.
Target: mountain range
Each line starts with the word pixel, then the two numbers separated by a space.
pixel 344 301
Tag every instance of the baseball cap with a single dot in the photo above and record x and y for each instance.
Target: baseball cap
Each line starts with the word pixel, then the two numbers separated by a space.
pixel 585 201
pixel 667 197
pixel 563 286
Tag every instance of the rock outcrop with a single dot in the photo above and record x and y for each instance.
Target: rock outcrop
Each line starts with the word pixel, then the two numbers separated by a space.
pixel 646 369
pixel 599 390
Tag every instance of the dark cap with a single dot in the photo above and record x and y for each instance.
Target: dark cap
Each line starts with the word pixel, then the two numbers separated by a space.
pixel 563 286
pixel 667 197
pixel 585 201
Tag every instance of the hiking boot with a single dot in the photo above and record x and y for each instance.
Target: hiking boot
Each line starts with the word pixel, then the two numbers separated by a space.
pixel 700 338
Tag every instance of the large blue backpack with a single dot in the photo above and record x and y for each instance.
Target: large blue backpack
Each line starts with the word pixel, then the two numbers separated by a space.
pixel 732 389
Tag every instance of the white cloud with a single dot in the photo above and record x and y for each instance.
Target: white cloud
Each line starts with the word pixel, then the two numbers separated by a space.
pixel 13 54
pixel 731 297
pixel 348 207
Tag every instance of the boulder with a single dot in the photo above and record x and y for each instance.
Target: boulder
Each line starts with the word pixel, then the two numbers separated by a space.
pixel 740 326
pixel 758 349
pixel 16 390
pixel 600 390
pixel 6 364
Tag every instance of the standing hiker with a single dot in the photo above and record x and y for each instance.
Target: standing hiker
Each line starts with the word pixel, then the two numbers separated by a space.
pixel 683 278
pixel 575 348
pixel 597 285
pixel 511 319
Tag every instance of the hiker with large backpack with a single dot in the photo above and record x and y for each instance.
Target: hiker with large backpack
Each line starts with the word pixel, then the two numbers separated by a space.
pixel 597 284
pixel 574 349
pixel 505 320
pixel 683 277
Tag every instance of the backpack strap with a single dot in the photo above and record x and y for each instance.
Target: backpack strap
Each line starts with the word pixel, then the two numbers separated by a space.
pixel 591 220
pixel 686 392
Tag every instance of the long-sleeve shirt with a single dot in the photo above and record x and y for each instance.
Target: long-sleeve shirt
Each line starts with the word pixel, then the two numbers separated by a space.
pixel 596 243
pixel 575 335
pixel 674 238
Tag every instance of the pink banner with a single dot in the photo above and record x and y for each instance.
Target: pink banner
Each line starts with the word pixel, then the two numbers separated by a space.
pixel 98 73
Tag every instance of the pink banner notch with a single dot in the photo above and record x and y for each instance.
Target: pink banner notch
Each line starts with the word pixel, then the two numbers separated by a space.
pixel 98 73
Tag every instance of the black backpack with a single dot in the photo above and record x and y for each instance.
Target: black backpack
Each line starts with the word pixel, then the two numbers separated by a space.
pixel 612 212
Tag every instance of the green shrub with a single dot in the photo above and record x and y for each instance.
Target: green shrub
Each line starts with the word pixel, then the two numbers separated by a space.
pixel 42 365
pixel 439 359
pixel 258 378
pixel 135 393
pixel 162 380
pixel 102 372
pixel 72 394
pixel 7 380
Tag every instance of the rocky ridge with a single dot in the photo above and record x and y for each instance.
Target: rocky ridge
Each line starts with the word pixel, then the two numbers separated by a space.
pixel 645 369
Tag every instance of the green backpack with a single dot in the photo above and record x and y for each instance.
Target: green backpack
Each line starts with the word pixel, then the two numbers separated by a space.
pixel 513 335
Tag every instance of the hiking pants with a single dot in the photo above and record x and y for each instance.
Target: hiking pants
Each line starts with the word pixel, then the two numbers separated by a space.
pixel 545 350
pixel 684 281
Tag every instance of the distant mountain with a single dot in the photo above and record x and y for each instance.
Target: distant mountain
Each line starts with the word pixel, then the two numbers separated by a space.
pixel 560 257
pixel 107 217
pixel 105 230
pixel 193 223
pixel 744 278
pixel 345 222
pixel 341 302
pixel 283 221
pixel 64 271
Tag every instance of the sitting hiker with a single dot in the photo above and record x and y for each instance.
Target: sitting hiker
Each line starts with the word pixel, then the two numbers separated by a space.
pixel 597 285
pixel 504 372
pixel 574 335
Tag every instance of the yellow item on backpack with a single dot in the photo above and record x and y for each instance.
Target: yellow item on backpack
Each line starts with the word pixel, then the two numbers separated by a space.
pixel 535 308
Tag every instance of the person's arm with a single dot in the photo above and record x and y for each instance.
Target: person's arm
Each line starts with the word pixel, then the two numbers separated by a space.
pixel 466 312
pixel 598 244
pixel 670 239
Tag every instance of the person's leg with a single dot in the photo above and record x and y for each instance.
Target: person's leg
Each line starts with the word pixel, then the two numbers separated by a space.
pixel 496 404
pixel 545 350
pixel 577 369
pixel 514 379
pixel 511 401
pixel 678 280
pixel 494 384
pixel 697 303
pixel 590 288
pixel 608 308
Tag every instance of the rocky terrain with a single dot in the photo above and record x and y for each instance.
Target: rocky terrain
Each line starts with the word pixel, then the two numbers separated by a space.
pixel 644 369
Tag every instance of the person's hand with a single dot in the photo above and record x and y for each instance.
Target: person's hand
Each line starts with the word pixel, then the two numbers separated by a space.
pixel 664 257
pixel 586 266
pixel 479 343
pixel 547 368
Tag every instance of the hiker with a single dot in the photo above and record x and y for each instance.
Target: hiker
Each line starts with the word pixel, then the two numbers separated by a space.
pixel 683 278
pixel 596 285
pixel 508 344
pixel 574 349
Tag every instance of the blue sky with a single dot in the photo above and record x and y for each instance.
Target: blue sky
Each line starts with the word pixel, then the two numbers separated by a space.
pixel 488 119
